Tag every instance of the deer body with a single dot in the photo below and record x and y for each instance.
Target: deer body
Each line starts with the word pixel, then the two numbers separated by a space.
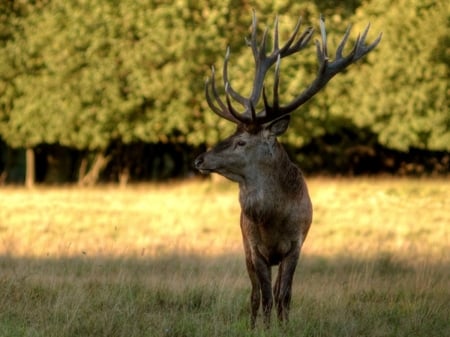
pixel 276 210
pixel 275 219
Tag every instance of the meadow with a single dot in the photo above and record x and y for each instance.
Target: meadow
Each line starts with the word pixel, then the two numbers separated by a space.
pixel 167 260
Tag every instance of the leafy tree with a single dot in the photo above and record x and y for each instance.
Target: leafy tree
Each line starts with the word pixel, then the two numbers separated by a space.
pixel 401 92
pixel 91 75
pixel 11 13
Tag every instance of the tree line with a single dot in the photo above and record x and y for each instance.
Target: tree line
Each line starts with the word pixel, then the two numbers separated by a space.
pixel 115 88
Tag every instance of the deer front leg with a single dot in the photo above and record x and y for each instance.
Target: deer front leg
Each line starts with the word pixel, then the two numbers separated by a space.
pixel 283 285
pixel 255 298
pixel 263 271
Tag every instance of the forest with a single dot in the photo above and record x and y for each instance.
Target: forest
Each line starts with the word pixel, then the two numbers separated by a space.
pixel 113 91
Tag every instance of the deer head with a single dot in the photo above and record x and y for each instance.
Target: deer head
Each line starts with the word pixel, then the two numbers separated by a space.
pixel 255 137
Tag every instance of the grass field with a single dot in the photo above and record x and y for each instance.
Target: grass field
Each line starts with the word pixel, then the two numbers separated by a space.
pixel 167 260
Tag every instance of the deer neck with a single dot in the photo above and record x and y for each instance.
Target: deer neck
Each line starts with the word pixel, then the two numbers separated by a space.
pixel 269 187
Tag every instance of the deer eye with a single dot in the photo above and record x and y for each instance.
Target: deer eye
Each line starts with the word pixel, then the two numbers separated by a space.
pixel 241 143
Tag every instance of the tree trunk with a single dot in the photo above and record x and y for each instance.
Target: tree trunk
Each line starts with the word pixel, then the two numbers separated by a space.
pixel 3 177
pixel 91 176
pixel 82 170
pixel 30 170
pixel 124 176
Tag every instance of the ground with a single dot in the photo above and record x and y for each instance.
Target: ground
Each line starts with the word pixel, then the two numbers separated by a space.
pixel 167 260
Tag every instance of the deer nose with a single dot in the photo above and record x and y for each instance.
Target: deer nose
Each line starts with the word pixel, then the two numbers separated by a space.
pixel 199 161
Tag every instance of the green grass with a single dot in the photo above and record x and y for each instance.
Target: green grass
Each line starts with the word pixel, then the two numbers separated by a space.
pixel 166 260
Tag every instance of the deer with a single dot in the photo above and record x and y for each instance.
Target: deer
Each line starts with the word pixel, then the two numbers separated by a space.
pixel 276 209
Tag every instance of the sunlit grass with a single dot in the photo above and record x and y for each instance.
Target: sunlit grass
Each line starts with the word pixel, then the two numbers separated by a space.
pixel 362 217
pixel 167 260
pixel 143 220
pixel 407 218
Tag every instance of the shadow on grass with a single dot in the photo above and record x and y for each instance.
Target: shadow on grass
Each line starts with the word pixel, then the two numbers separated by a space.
pixel 192 295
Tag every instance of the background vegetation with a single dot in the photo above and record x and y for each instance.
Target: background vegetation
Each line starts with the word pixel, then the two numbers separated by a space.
pixel 89 85
pixel 167 260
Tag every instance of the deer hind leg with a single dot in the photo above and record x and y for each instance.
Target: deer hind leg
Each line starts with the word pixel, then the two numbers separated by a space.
pixel 283 285
pixel 276 287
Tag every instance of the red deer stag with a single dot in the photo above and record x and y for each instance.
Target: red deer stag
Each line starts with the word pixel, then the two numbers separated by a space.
pixel 276 210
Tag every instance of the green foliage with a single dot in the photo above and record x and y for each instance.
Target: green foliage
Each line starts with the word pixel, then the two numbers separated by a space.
pixel 401 92
pixel 86 73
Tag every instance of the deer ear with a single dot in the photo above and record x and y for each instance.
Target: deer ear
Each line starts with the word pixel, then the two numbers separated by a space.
pixel 279 126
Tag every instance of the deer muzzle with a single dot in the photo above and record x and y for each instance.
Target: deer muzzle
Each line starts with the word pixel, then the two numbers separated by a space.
pixel 199 164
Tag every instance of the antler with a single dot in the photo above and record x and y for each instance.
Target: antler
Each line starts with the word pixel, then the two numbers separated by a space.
pixel 263 63
pixel 327 70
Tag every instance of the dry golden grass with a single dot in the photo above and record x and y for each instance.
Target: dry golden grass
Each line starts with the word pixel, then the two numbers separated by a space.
pixel 357 217
pixel 366 217
pixel 143 220
pixel 167 260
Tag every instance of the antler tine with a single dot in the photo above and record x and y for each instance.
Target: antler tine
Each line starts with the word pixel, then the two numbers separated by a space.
pixel 253 112
pixel 262 48
pixel 240 118
pixel 242 100
pixel 276 81
pixel 343 42
pixel 211 104
pixel 271 109
pixel 323 34
pixel 301 42
pixel 252 43
pixel 370 47
pixel 275 35
pixel 220 110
